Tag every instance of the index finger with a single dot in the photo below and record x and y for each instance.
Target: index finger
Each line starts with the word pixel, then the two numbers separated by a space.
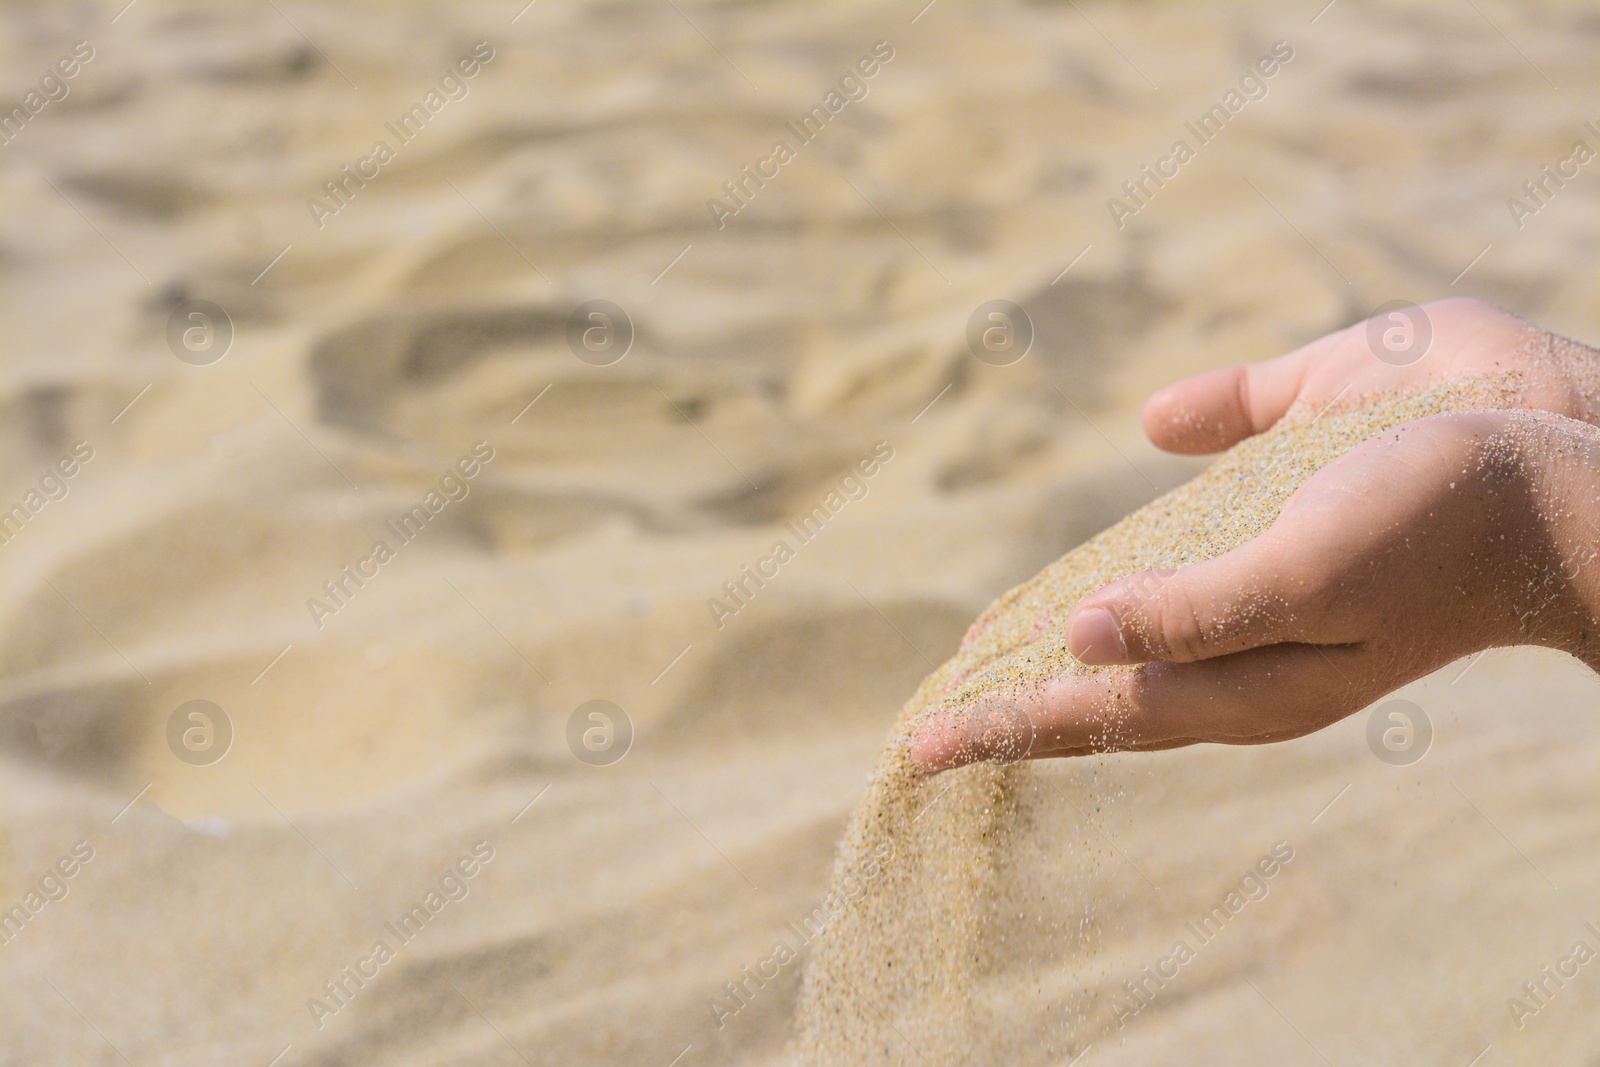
pixel 1216 410
pixel 1247 698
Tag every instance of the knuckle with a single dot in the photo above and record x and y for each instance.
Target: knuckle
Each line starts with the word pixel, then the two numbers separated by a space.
pixel 1176 628
pixel 1134 593
pixel 1321 602
pixel 1467 307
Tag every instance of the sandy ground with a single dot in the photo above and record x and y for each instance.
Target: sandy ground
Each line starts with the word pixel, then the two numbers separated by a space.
pixel 428 715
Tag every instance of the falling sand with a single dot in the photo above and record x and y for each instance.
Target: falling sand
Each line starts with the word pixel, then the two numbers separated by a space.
pixel 941 877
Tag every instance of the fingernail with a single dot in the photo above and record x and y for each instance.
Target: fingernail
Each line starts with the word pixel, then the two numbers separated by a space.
pixel 1096 639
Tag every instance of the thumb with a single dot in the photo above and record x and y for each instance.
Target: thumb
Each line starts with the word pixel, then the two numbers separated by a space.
pixel 1216 410
pixel 1238 601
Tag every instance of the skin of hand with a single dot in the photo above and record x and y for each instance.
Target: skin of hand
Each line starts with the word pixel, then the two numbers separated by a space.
pixel 1470 339
pixel 1429 542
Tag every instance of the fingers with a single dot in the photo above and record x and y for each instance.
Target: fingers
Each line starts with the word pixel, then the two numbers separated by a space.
pixel 1249 698
pixel 1245 598
pixel 992 729
pixel 1459 337
pixel 1363 539
pixel 1218 409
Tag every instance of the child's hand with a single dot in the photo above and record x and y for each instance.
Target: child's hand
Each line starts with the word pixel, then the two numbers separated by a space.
pixel 1464 339
pixel 1427 543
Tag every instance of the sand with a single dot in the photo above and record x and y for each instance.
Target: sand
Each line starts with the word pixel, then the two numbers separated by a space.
pixel 936 881
pixel 430 712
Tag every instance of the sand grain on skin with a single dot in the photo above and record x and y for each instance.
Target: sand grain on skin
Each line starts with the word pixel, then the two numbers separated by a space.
pixel 898 976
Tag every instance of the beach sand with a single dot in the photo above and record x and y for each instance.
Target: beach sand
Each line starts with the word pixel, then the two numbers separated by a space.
pixel 371 755
pixel 947 892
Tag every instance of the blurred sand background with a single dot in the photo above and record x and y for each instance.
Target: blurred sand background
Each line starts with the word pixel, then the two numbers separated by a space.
pixel 770 355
